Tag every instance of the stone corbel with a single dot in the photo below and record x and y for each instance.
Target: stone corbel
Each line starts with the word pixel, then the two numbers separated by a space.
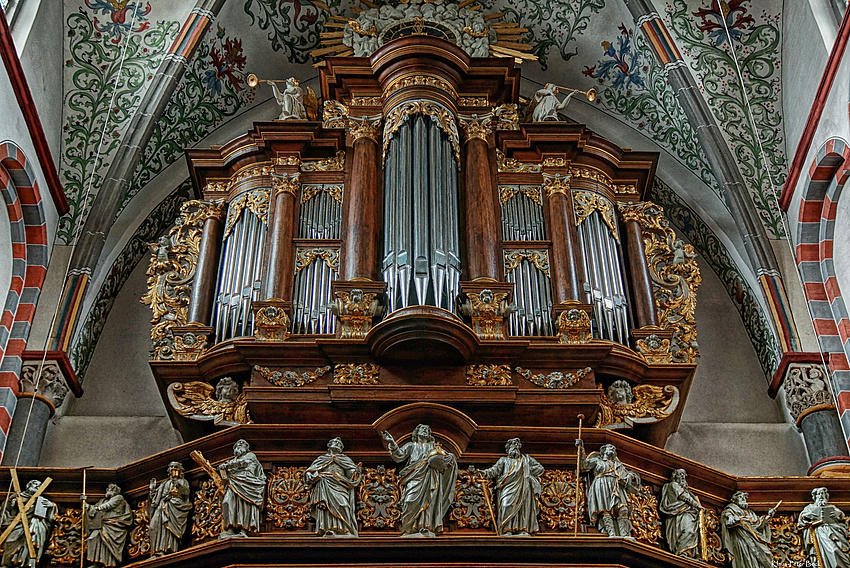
pixel 358 305
pixel 191 341
pixel 271 319
pixel 653 344
pixel 485 306
pixel 54 381
pixel 573 319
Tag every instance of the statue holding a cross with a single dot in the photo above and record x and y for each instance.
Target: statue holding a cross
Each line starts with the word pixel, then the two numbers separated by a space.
pixel 24 544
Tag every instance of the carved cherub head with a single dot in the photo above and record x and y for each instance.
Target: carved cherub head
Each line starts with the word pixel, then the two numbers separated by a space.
pixel 356 295
pixel 226 390
pixel 620 392
pixel 486 296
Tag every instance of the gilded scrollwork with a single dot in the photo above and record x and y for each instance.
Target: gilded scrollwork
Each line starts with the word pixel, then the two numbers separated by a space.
pixel 366 101
pixel 421 81
pixel 64 545
pixel 555 162
pixel 512 165
pixel 304 256
pixel 285 183
pixel 335 115
pixel 710 540
pixel 558 500
pixel 505 117
pixel 441 115
pixel 308 192
pixel 556 183
pixel 675 277
pixel 271 322
pixel 787 544
pixel 539 258
pixel 355 310
pixel 256 201
pixel 253 171
pixel 378 498
pixel 351 374
pixel 555 379
pixel 223 405
pixel 573 327
pixel 333 164
pixel 288 501
pixel 651 403
pixel 489 375
pixel 171 271
pixel 470 508
pixel 506 192
pixel 139 542
pixel 217 187
pixel 206 519
pixel 291 378
pixel 590 175
pixel 586 202
pixel 487 309
pixel 481 101
pixel 654 349
pixel 646 524
pixel 475 127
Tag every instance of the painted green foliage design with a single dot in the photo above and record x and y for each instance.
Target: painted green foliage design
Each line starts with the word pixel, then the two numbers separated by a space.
pixel 293 26
pixel 712 250
pixel 101 81
pixel 212 90
pixel 634 85
pixel 702 36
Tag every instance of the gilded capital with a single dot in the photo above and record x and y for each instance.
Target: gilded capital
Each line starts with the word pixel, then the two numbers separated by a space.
pixel 475 127
pixel 556 183
pixel 633 211
pixel 365 127
pixel 286 183
pixel 212 209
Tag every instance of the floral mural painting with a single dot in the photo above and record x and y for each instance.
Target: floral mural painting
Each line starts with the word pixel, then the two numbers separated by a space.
pixel 123 17
pixel 212 90
pixel 708 47
pixel 293 26
pixel 633 85
pixel 103 92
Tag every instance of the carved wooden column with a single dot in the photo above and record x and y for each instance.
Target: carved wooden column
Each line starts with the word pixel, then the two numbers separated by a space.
pixel 200 304
pixel 644 298
pixel 278 278
pixel 483 233
pixel 566 263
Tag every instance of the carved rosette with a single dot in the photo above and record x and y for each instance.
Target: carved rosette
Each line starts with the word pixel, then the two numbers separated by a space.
pixel 64 546
pixel 487 309
pixel 356 310
pixel 556 183
pixel 171 272
pixel 675 277
pixel 807 389
pixel 489 376
pixel 333 164
pixel 363 374
pixel 206 520
pixel 138 542
pixel 378 498
pixel 196 400
pixel 336 116
pixel 271 322
pixel 573 327
pixel 651 404
pixel 787 544
pixel 469 509
pixel 646 525
pixel 286 183
pixel 289 496
pixel 558 500
pixel 290 378
pixel 51 384
pixel 555 379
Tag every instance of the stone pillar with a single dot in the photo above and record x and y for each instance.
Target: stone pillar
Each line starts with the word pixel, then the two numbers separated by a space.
pixel 279 274
pixel 37 403
pixel 200 304
pixel 646 313
pixel 566 257
pixel 809 399
pixel 483 232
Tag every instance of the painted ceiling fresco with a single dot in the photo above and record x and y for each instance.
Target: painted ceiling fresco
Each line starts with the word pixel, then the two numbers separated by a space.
pixel 114 49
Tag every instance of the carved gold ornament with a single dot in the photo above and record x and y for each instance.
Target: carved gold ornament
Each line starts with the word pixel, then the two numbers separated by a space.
pixel 308 192
pixel 675 277
pixel 421 81
pixel 217 187
pixel 481 101
pixel 489 376
pixel 441 115
pixel 379 494
pixel 64 546
pixel 366 101
pixel 355 310
pixel 654 349
pixel 254 170
pixel 196 400
pixel 332 164
pixel 256 201
pixel 713 553
pixel 290 378
pixel 555 379
pixel 573 327
pixel 206 516
pixel 556 183
pixel 787 544
pixel 555 162
pixel 350 374
pixel 303 257
pixel 336 116
pixel 474 127
pixel 139 542
pixel 646 525
pixel 286 183
pixel 290 160
pixel 271 323
pixel 487 309
pixel 558 500
pixel 171 271
pixel 586 202
pixel 539 258
pixel 470 507
pixel 483 33
pixel 506 192
pixel 651 404
pixel 512 165
pixel 189 346
pixel 371 32
pixel 502 117
pixel 590 175
pixel 288 502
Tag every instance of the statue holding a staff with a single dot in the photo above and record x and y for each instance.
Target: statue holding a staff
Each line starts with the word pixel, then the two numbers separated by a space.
pixel 518 485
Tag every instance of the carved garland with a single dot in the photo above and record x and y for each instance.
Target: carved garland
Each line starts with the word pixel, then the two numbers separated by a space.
pixel 438 113
pixel 291 378
pixel 555 379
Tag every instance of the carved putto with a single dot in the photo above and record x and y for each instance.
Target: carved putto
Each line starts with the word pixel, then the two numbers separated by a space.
pixel 624 406
pixel 224 405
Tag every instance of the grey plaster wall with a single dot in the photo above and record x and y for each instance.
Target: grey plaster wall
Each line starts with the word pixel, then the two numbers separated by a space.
pixel 841 245
pixel 5 252
pixel 121 417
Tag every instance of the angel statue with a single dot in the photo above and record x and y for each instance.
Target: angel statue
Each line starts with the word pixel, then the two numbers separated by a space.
pixel 545 105
pixel 224 404
pixel 294 105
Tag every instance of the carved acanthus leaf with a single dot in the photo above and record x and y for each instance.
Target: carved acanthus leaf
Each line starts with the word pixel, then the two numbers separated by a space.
pixel 586 202
pixel 539 258
pixel 139 543
pixel 64 545
pixel 206 519
pixel 469 509
pixel 787 544
pixel 441 115
pixel 256 201
pixel 512 165
pixel 362 374
pixel 558 500
pixel 333 164
pixel 489 375
pixel 644 516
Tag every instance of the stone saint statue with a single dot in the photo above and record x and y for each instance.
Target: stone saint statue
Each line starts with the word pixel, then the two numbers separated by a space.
pixel 681 509
pixel 746 536
pixel 825 532
pixel 168 510
pixel 40 520
pixel 108 523
pixel 291 100
pixel 332 479
pixel 427 482
pixel 245 483
pixel 547 105
pixel 518 486
pixel 607 493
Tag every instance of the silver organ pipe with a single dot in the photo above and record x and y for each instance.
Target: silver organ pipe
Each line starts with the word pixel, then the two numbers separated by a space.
pixel 605 288
pixel 421 262
pixel 522 216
